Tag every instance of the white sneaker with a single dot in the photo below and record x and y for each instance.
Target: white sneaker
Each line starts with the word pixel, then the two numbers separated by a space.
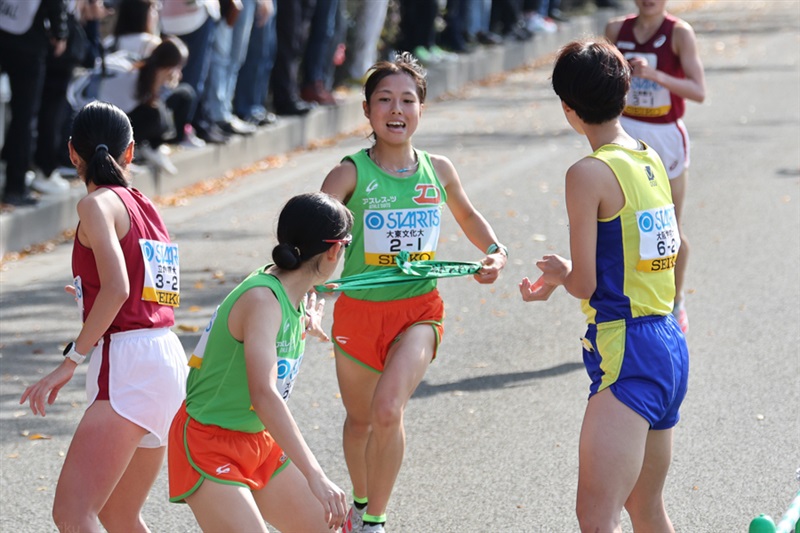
pixel 53 184
pixel 158 159
pixel 67 172
pixel 373 528
pixel 354 522
pixel 538 24
pixel 190 139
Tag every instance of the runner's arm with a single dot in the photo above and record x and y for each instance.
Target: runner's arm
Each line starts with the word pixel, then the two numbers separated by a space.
pixel 96 213
pixel 692 86
pixel 612 29
pixel 255 318
pixel 470 220
pixel 583 196
pixel 341 181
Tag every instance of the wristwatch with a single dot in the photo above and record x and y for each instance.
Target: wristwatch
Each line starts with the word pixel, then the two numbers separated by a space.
pixel 73 354
pixel 497 247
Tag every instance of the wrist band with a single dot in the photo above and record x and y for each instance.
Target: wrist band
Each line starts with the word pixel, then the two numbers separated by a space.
pixel 497 247
pixel 405 271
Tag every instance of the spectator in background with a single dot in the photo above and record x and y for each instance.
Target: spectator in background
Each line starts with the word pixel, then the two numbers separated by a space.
pixel 136 35
pixel 319 52
pixel 418 31
pixel 477 20
pixel 252 85
pixel 293 17
pixel 193 21
pixel 536 16
pixel 507 18
pixel 54 108
pixel 136 88
pixel 227 57
pixel 455 17
pixel 24 44
pixel 362 40
pixel 136 29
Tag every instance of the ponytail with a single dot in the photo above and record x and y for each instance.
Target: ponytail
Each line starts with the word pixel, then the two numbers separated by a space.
pixel 101 133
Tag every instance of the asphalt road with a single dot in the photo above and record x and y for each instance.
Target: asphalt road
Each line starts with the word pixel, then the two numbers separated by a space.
pixel 493 429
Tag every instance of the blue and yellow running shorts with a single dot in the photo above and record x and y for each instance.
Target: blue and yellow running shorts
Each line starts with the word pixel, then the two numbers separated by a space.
pixel 645 363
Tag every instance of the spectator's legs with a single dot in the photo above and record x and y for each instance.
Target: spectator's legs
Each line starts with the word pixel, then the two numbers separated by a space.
pixel 195 71
pixel 26 77
pixel 52 115
pixel 252 85
pixel 317 52
pixel 362 52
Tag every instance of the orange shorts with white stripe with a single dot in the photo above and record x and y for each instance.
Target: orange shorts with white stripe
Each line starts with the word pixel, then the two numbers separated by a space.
pixel 365 330
pixel 199 452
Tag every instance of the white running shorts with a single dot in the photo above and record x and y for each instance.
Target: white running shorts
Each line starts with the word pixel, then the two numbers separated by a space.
pixel 670 141
pixel 145 379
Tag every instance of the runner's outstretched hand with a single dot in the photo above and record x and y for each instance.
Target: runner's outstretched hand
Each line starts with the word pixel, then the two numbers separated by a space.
pixel 492 265
pixel 45 391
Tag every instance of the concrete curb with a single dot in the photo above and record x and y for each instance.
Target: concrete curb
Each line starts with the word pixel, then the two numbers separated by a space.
pixel 25 227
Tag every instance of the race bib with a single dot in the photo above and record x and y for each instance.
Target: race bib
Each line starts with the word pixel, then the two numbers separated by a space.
pixel 659 240
pixel 287 373
pixel 78 295
pixel 647 98
pixel 387 233
pixel 196 359
pixel 161 272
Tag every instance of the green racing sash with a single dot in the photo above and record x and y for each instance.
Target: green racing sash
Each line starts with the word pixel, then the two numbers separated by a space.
pixel 405 271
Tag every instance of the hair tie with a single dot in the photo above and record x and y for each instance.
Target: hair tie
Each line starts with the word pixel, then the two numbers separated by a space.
pixel 101 147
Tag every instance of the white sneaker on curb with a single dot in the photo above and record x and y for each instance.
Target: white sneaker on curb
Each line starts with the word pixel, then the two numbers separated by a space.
pixel 354 521
pixel 538 24
pixel 157 158
pixel 67 172
pixel 53 184
pixel 190 139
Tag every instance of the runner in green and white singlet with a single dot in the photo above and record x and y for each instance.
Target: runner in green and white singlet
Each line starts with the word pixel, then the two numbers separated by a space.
pixel 386 337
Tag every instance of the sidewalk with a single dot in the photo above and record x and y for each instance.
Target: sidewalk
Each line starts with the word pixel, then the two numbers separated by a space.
pixel 25 227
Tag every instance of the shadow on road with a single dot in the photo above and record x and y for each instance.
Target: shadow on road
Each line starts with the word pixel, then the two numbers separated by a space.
pixel 494 381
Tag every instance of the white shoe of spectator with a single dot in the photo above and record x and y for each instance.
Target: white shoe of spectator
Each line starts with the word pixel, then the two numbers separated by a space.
pixel 538 24
pixel 157 158
pixel 53 184
pixel 67 172
pixel 190 139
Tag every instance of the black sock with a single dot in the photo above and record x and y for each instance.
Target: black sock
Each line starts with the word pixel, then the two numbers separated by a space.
pixel 359 506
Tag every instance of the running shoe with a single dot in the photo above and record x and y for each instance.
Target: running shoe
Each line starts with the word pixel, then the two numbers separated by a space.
pixel 372 528
pixel 679 312
pixel 354 521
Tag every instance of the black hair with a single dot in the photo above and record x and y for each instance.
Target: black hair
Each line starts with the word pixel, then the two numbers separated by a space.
pixel 170 53
pixel 101 133
pixel 403 63
pixel 593 78
pixel 305 223
pixel 133 16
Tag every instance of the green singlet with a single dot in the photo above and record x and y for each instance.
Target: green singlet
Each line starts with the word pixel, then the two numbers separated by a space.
pixel 392 215
pixel 216 390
